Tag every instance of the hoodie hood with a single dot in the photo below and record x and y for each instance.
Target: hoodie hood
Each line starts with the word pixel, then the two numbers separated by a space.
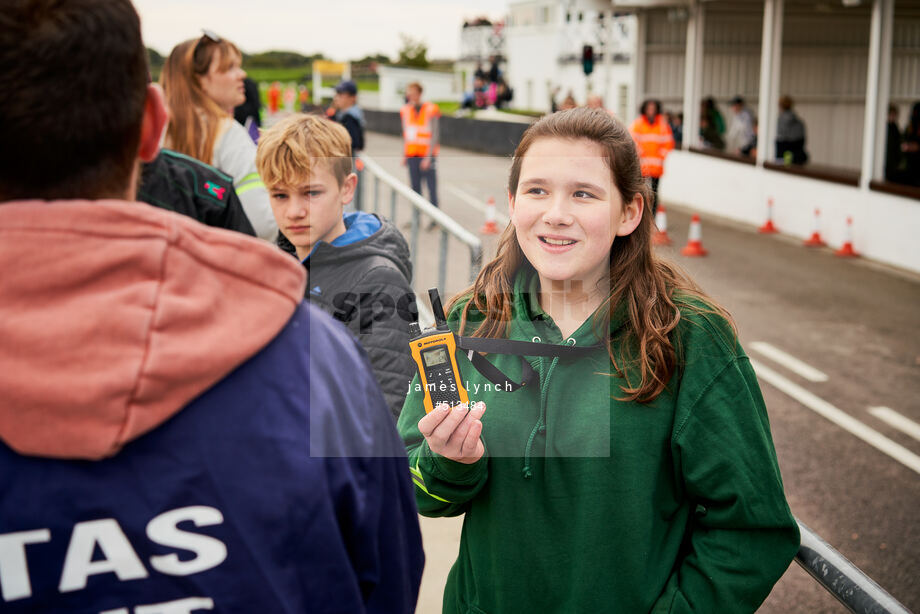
pixel 114 315
pixel 366 235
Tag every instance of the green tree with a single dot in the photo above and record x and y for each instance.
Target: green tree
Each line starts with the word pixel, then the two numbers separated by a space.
pixel 155 61
pixel 379 58
pixel 413 52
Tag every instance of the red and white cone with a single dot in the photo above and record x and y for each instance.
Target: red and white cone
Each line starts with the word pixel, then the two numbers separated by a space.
pixel 815 239
pixel 660 237
pixel 694 245
pixel 489 227
pixel 846 250
pixel 768 227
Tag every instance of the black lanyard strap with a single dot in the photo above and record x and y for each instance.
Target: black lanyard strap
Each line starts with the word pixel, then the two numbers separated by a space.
pixel 524 348
pixel 473 345
pixel 499 379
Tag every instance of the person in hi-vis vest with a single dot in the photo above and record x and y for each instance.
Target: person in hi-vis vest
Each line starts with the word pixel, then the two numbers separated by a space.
pixel 654 140
pixel 421 142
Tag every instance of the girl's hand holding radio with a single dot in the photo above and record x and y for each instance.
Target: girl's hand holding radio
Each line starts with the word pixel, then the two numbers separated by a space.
pixel 454 433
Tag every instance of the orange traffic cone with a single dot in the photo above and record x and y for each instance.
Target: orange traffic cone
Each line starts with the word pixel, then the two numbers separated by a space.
pixel 768 227
pixel 660 237
pixel 694 245
pixel 846 250
pixel 815 239
pixel 489 228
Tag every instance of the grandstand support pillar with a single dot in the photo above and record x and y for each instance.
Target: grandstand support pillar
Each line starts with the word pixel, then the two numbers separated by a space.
pixel 638 94
pixel 771 47
pixel 693 74
pixel 878 88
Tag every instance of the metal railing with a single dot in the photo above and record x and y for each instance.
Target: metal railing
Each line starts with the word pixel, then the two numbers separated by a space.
pixel 842 579
pixel 449 227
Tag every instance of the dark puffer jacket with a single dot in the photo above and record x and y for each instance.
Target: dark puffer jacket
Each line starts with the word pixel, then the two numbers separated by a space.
pixel 362 279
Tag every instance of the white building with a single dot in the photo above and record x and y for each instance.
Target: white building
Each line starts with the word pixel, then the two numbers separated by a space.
pixel 842 61
pixel 545 39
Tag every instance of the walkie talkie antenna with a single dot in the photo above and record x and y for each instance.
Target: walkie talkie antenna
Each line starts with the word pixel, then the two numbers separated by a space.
pixel 437 310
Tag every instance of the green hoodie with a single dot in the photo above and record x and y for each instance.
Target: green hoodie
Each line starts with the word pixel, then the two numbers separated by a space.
pixel 583 503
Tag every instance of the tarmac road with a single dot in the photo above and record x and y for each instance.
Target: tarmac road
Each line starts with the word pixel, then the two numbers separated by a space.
pixel 836 344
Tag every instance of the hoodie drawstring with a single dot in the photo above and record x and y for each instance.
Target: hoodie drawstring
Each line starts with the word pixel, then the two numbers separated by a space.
pixel 540 426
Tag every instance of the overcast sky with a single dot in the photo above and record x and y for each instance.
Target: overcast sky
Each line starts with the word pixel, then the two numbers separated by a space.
pixel 340 29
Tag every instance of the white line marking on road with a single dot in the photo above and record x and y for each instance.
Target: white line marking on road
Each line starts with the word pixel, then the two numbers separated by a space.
pixel 838 417
pixel 476 203
pixel 790 362
pixel 893 418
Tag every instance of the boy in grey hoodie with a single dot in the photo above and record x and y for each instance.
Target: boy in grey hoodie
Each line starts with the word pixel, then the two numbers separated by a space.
pixel 358 264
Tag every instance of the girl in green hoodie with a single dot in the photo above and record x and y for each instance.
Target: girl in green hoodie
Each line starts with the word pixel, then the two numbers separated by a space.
pixel 639 477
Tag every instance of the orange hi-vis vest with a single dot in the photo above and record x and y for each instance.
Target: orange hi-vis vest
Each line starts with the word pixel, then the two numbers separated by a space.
pixel 653 141
pixel 417 129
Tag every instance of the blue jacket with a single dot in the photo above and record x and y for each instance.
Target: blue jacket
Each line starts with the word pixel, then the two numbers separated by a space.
pixel 282 487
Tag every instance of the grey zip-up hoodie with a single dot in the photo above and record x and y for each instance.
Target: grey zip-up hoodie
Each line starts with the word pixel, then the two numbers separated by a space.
pixel 362 279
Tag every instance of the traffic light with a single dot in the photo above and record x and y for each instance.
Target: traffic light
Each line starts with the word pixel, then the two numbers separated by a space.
pixel 587 59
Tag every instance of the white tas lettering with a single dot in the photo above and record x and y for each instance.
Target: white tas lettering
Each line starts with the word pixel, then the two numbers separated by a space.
pixel 182 606
pixel 14 571
pixel 120 557
pixel 163 530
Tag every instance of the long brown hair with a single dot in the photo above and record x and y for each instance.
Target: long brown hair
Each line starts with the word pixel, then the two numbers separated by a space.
pixel 195 117
pixel 646 284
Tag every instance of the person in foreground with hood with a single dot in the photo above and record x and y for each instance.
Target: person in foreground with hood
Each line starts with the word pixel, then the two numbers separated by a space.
pixel 171 440
pixel 359 265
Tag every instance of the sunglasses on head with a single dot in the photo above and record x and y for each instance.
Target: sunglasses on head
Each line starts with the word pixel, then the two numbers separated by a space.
pixel 207 37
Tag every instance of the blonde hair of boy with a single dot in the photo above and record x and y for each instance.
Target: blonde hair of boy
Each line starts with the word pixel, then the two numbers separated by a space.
pixel 289 150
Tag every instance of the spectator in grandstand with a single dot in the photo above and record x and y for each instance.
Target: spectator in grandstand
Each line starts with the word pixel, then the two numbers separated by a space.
pixel 179 431
pixel 893 157
pixel 709 109
pixel 676 121
pixel 910 147
pixel 638 475
pixel 790 134
pixel 203 82
pixel 709 134
pixel 741 136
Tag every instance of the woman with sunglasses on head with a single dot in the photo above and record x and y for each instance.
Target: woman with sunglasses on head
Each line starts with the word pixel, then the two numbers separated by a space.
pixel 636 474
pixel 203 82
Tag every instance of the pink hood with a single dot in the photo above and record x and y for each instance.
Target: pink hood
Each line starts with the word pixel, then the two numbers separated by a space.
pixel 114 315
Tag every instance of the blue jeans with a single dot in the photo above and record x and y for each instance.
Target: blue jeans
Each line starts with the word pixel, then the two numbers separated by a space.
pixel 416 174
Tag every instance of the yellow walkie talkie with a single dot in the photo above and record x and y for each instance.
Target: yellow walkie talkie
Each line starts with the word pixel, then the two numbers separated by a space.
pixel 434 353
